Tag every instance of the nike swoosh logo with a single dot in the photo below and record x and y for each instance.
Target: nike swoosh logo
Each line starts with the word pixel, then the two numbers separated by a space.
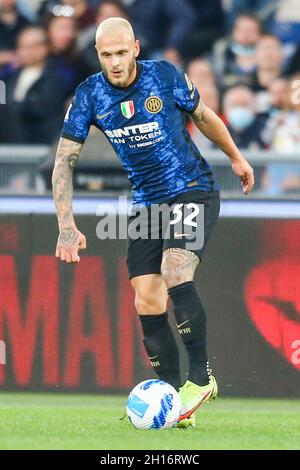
pixel 288 308
pixel 187 414
pixel 180 235
pixel 153 357
pixel 101 116
pixel 181 324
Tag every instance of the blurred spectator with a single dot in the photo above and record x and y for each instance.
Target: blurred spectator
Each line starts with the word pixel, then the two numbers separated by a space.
pixel 235 58
pixel 244 124
pixel 83 12
pixel 279 91
pixel 200 71
pixel 283 136
pixel 86 41
pixel 201 74
pixel 11 23
pixel 287 24
pixel 283 130
pixel 162 26
pixel 35 95
pixel 269 58
pixel 294 65
pixel 210 96
pixel 63 53
pixel 264 9
pixel 29 9
pixel 110 9
pixel 208 27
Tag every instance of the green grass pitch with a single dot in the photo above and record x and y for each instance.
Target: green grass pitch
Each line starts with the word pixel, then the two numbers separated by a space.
pixel 51 421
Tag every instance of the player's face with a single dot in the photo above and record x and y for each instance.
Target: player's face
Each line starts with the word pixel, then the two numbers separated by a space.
pixel 117 56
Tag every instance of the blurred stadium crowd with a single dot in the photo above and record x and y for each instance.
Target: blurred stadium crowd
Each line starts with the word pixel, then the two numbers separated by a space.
pixel 243 55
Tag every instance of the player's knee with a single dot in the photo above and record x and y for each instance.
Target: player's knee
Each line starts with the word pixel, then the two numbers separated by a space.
pixel 141 304
pixel 147 304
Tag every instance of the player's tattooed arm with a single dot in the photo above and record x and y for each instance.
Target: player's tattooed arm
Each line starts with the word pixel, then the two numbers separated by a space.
pixel 209 123
pixel 70 239
pixel 198 115
pixel 178 266
pixel 62 180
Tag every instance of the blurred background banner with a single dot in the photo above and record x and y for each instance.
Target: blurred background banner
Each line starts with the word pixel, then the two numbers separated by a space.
pixel 69 328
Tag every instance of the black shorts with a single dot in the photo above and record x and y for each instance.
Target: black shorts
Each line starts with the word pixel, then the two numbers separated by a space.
pixel 191 218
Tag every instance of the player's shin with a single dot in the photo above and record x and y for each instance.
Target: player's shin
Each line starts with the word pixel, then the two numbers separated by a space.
pixel 161 348
pixel 191 323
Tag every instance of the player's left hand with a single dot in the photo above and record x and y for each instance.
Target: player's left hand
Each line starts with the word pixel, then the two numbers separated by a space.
pixel 70 241
pixel 246 174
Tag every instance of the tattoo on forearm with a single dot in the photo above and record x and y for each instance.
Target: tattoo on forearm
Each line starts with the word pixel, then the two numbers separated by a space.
pixel 198 114
pixel 62 180
pixel 178 266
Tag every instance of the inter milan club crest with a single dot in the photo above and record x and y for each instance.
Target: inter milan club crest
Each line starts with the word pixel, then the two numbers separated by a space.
pixel 153 104
pixel 127 109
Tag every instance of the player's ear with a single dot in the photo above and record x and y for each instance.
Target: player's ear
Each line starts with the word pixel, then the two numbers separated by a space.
pixel 137 48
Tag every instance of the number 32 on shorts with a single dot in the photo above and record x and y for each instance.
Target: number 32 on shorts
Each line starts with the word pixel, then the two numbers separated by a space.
pixel 187 213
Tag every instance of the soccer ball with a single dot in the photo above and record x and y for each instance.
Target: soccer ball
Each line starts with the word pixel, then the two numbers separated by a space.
pixel 153 404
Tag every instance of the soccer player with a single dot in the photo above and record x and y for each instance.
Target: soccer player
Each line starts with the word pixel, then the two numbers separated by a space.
pixel 141 107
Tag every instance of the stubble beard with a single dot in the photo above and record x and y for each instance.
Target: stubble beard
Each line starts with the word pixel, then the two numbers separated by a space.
pixel 121 82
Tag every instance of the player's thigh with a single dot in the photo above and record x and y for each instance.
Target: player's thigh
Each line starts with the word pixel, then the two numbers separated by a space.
pixel 150 294
pixel 195 215
pixel 144 256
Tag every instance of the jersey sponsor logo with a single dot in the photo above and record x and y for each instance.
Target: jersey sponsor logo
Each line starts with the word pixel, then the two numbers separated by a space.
pixel 153 104
pixel 127 109
pixel 139 135
pixel 133 130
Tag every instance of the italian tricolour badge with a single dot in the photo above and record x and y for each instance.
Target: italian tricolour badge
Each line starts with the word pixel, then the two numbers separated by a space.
pixel 127 109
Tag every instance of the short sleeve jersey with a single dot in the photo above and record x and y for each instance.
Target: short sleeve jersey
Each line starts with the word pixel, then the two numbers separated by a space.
pixel 146 125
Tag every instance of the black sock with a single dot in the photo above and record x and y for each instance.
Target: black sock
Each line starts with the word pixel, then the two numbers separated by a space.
pixel 161 347
pixel 191 323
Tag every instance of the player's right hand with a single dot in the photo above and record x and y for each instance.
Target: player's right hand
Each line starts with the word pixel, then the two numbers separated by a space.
pixel 70 241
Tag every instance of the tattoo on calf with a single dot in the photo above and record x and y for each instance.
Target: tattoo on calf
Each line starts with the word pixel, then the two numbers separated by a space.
pixel 178 266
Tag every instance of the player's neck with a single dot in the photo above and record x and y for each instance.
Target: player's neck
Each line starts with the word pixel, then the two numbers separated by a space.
pixel 132 76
